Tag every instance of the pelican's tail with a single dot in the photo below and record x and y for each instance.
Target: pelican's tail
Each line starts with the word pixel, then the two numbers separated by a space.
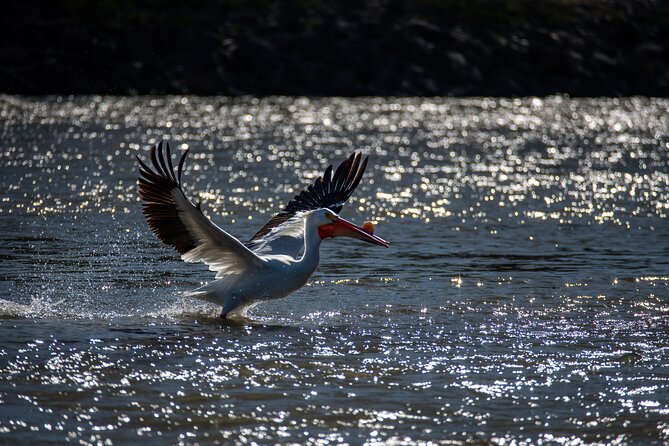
pixel 230 304
pixel 202 295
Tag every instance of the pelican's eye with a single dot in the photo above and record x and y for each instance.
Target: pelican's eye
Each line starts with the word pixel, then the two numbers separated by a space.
pixel 331 217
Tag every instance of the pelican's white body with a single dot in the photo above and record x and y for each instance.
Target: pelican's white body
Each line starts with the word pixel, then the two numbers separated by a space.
pixel 276 276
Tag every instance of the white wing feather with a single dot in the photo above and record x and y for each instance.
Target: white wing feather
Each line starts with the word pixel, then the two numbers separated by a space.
pixel 222 252
pixel 286 238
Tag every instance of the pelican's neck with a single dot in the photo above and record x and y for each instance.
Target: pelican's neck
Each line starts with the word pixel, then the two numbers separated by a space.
pixel 312 244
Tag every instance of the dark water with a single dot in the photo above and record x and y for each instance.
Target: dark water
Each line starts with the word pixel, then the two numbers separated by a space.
pixel 525 298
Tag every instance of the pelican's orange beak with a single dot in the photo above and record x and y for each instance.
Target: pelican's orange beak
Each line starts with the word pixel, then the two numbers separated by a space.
pixel 343 228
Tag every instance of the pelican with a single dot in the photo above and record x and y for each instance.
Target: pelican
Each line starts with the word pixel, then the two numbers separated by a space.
pixel 278 259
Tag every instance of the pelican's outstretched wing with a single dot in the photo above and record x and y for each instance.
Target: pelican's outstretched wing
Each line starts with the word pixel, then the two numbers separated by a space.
pixel 180 224
pixel 284 233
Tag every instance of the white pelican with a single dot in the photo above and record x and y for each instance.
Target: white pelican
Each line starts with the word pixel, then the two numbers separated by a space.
pixel 278 259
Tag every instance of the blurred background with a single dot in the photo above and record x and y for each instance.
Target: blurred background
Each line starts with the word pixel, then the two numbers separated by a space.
pixel 342 48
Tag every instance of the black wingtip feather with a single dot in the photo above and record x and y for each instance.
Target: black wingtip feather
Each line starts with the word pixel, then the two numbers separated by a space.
pixel 356 180
pixel 181 164
pixel 156 189
pixel 169 163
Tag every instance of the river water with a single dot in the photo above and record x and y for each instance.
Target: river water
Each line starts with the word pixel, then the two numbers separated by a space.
pixel 524 299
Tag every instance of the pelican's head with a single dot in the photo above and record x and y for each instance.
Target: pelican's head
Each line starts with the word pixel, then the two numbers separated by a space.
pixel 332 225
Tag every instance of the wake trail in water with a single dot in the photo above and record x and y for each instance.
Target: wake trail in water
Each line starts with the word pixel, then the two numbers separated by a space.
pixel 48 308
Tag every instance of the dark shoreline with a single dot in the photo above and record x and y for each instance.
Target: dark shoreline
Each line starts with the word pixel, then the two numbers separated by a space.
pixel 302 48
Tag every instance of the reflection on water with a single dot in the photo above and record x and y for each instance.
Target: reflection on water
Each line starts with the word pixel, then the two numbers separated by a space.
pixel 525 297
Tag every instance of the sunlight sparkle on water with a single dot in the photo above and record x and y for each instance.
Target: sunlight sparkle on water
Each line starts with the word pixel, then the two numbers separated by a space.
pixel 523 299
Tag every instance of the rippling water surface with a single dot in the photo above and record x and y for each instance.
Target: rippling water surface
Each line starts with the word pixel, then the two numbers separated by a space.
pixel 525 297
